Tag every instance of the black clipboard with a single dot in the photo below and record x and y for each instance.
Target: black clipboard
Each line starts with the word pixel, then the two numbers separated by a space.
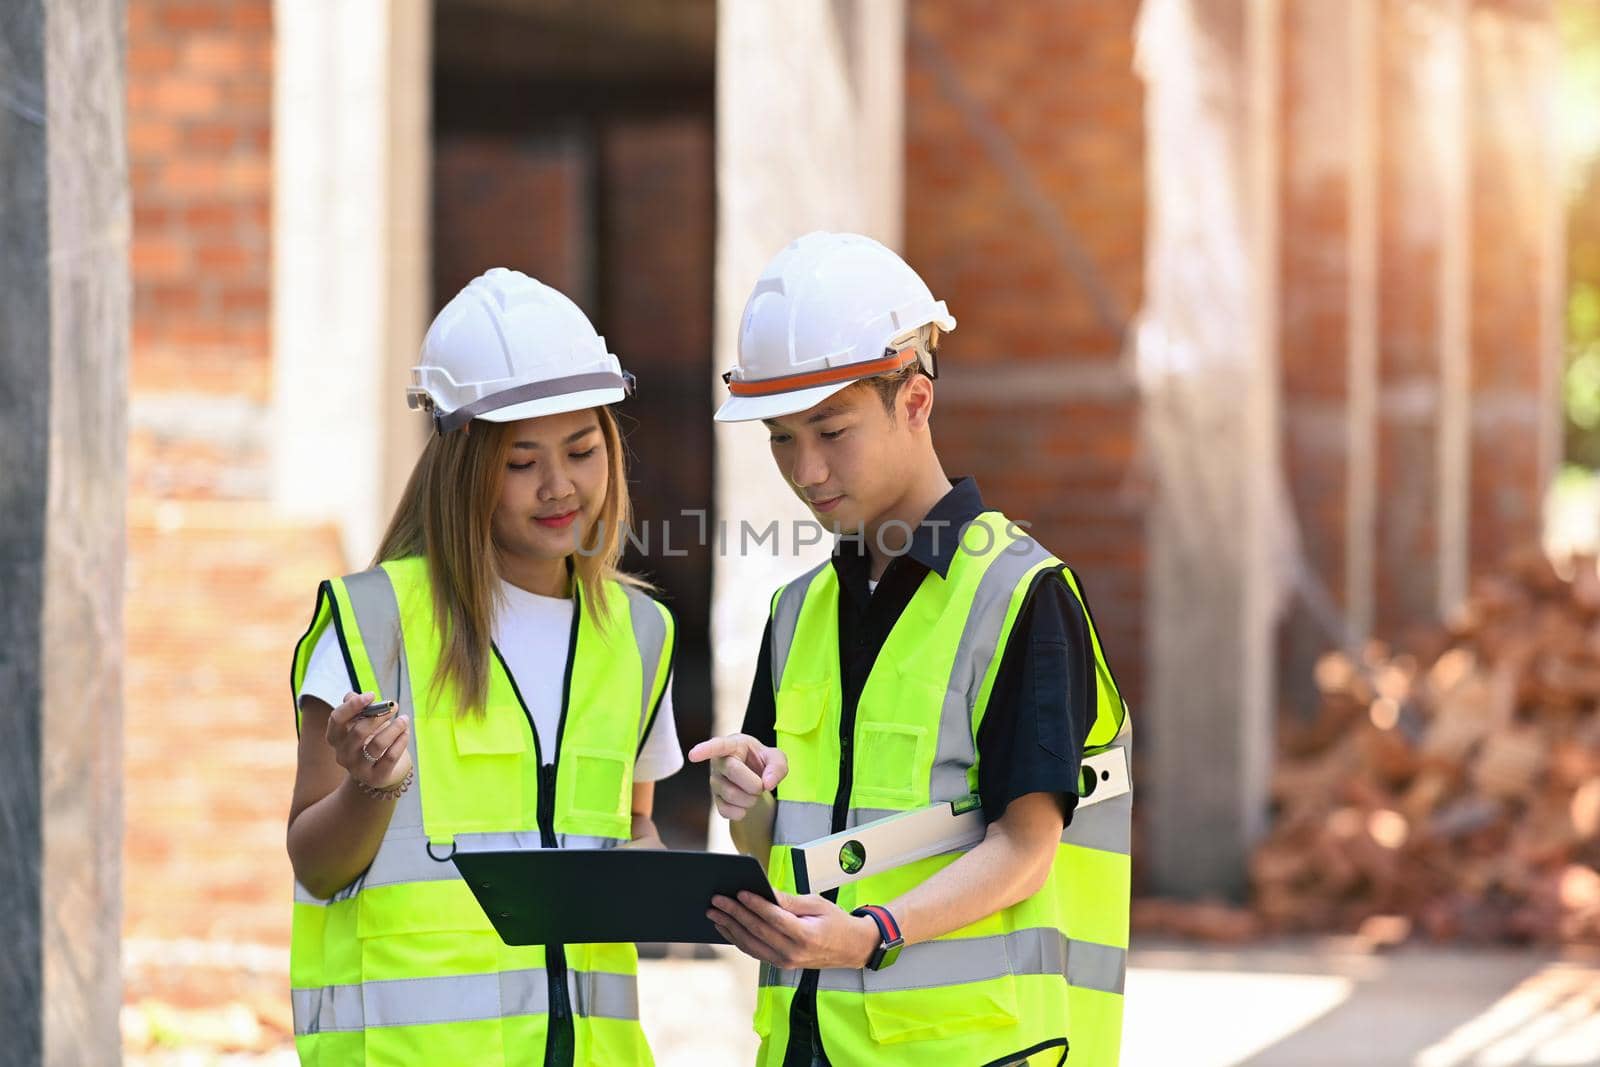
pixel 577 896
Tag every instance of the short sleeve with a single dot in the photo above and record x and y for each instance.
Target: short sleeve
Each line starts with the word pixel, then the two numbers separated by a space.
pixel 327 678
pixel 661 755
pixel 761 712
pixel 1042 704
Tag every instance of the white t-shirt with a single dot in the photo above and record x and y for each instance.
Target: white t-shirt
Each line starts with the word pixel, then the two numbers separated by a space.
pixel 532 633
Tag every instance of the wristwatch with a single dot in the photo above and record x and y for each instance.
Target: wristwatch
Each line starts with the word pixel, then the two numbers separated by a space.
pixel 889 949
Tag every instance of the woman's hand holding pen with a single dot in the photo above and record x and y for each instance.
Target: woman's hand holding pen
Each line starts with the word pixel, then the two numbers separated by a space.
pixel 373 749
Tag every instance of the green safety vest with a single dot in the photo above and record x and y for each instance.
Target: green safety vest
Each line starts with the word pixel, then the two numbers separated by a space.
pixel 401 966
pixel 1021 983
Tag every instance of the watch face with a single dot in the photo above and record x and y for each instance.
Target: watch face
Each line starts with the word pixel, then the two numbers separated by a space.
pixel 889 955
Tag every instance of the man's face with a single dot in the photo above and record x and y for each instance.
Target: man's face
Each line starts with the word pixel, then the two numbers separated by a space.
pixel 845 457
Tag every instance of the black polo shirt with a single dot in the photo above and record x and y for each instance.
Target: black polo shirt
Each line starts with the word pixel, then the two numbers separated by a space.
pixel 1040 708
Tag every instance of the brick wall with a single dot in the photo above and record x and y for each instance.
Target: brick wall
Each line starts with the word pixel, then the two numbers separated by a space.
pixel 1037 403
pixel 1511 190
pixel 199 157
pixel 1316 271
pixel 218 589
pixel 1045 415
pixel 1417 144
pixel 218 592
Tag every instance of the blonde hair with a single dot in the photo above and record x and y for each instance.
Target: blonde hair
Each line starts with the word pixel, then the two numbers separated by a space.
pixel 446 516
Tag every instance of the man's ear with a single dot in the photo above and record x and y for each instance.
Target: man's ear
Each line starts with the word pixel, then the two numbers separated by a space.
pixel 916 398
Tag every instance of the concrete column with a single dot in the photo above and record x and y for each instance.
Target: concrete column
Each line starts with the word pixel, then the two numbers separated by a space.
pixel 350 277
pixel 810 105
pixel 1455 306
pixel 63 354
pixel 1552 281
pixel 1361 509
pixel 1207 362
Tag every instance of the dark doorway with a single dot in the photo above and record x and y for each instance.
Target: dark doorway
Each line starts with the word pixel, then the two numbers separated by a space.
pixel 575 142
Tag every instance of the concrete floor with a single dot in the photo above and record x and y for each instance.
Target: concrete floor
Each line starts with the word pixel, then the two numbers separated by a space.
pixel 1300 1004
pixel 1297 1004
pixel 1314 1004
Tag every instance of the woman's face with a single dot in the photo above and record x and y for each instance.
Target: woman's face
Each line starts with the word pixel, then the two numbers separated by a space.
pixel 554 486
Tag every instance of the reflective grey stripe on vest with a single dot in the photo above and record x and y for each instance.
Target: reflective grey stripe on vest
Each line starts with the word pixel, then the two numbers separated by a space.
pixel 786 617
pixel 1038 950
pixel 402 855
pixel 650 634
pixel 458 999
pixel 981 636
pixel 1107 826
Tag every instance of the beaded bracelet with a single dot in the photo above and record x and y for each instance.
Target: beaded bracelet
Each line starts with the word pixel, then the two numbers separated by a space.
pixel 393 792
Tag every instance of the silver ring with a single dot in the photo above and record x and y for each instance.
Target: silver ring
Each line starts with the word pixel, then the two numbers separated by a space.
pixel 369 757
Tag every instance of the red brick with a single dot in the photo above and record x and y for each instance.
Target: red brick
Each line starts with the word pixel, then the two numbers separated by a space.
pixel 152 138
pixel 253 17
pixel 150 58
pixel 216 54
pixel 191 177
pixel 211 137
pixel 156 258
pixel 203 216
pixel 245 301
pixel 183 17
pixel 180 95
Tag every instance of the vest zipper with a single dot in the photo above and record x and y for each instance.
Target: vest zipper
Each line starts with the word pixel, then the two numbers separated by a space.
pixel 559 1048
pixel 806 993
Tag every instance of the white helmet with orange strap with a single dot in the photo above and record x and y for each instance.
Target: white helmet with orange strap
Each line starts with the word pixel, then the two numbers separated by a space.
pixel 828 310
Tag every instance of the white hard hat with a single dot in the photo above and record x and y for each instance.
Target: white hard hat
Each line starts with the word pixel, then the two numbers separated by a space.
pixel 508 347
pixel 830 309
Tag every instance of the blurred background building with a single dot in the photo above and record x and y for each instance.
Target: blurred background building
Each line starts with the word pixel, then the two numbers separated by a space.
pixel 1265 307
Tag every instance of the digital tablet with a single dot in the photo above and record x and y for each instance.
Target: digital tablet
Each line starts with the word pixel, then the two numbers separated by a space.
pixel 573 896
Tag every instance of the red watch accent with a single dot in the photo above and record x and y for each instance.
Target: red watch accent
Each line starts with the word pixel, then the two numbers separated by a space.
pixel 891 929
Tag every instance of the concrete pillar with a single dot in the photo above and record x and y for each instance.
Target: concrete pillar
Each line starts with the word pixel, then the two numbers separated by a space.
pixel 1207 362
pixel 810 104
pixel 1361 309
pixel 1518 207
pixel 350 271
pixel 1454 455
pixel 63 353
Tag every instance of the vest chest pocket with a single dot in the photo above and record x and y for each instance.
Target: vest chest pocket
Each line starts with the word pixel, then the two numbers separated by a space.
pixel 799 714
pixel 485 787
pixel 594 792
pixel 894 742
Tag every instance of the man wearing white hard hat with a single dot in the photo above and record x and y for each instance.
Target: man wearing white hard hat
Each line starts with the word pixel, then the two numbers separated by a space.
pixel 940 660
pixel 493 681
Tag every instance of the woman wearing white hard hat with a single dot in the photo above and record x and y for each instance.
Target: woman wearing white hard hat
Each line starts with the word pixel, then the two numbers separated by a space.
pixel 531 689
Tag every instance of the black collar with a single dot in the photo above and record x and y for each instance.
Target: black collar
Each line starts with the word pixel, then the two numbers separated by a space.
pixel 935 541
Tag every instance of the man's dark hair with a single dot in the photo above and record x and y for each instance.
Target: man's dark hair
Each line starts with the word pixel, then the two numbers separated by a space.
pixel 887 386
